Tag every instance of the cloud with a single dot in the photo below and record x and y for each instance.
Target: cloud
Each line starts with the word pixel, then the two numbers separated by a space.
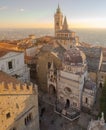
pixel 21 10
pixel 3 8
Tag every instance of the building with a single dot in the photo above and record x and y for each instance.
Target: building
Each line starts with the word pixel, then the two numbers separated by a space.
pixel 26 45
pixel 94 58
pixel 97 124
pixel 18 104
pixel 12 62
pixel 43 62
pixel 71 83
pixel 88 95
pixel 63 35
pixel 102 71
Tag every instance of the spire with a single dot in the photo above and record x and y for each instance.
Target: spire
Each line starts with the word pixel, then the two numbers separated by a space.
pixel 58 6
pixel 65 25
pixel 58 9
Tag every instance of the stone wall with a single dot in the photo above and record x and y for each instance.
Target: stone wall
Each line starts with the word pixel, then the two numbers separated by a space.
pixel 18 107
pixel 43 62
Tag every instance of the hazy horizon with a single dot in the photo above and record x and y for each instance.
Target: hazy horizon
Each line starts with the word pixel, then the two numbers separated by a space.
pixel 92 36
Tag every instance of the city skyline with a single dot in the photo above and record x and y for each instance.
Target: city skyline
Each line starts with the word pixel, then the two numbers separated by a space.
pixel 38 14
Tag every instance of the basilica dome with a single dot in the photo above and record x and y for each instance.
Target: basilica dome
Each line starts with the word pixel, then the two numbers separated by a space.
pixel 74 57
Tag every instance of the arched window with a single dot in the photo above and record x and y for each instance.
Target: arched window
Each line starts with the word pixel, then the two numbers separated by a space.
pixel 49 65
pixel 30 116
pixel 86 100
pixel 68 90
pixel 25 121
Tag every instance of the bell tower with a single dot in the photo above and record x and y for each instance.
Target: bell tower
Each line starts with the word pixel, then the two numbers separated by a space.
pixel 58 20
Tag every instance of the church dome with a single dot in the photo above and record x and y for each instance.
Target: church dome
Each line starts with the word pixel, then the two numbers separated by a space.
pixel 74 57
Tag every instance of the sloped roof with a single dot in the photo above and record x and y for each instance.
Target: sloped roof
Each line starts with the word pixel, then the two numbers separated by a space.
pixel 93 56
pixel 4 51
pixel 6 78
pixel 46 47
pixel 103 67
pixel 59 51
pixel 73 56
pixel 65 25
pixel 89 85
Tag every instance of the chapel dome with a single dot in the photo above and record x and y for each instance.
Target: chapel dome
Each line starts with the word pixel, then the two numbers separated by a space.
pixel 74 56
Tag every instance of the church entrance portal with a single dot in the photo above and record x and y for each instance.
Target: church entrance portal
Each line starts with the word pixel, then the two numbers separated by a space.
pixel 67 103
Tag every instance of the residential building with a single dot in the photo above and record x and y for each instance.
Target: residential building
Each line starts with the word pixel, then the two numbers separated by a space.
pixel 12 62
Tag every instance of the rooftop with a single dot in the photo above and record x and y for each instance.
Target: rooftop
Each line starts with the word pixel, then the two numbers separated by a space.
pixel 58 51
pixel 4 51
pixel 93 56
pixel 4 77
pixel 103 67
pixel 89 85
pixel 74 55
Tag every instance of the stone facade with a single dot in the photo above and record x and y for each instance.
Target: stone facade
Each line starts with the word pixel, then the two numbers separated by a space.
pixel 71 84
pixel 43 63
pixel 88 95
pixel 12 62
pixel 51 76
pixel 58 20
pixel 18 104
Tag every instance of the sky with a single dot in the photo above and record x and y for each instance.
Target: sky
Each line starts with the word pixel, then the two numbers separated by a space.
pixel 40 13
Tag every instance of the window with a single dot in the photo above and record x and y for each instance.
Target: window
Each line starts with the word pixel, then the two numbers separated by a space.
pixel 8 115
pixel 67 103
pixel 13 128
pixel 68 90
pixel 102 77
pixel 86 100
pixel 49 65
pixel 28 119
pixel 10 65
pixel 25 121
pixel 17 106
pixel 30 116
